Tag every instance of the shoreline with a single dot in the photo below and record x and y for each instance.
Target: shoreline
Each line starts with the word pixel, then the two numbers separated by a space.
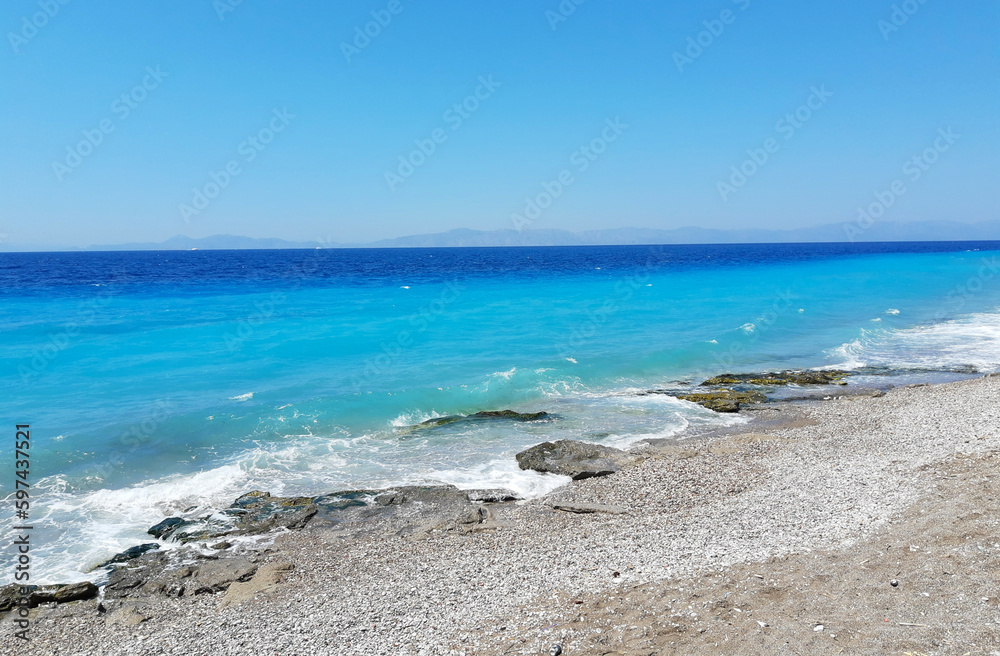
pixel 803 476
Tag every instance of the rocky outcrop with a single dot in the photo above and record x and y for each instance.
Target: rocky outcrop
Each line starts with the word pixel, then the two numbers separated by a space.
pixel 724 400
pixel 824 377
pixel 11 596
pixel 510 415
pixel 578 460
pixel 130 553
pixel 253 513
pixel 173 575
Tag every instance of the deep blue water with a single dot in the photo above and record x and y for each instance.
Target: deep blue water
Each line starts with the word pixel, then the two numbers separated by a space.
pixel 157 381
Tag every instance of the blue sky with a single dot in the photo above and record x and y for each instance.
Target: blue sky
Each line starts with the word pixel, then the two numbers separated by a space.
pixel 337 119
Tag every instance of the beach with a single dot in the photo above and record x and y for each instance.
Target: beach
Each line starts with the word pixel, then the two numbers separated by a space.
pixel 785 534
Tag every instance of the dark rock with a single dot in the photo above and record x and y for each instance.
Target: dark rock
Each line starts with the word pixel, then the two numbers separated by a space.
pixel 251 497
pixel 509 414
pixel 723 400
pixel 425 494
pixel 824 377
pixel 267 513
pixel 486 415
pixel 163 529
pixel 219 546
pixel 163 573
pixel 129 554
pixel 578 460
pixel 75 592
pixel 442 421
pixel 10 596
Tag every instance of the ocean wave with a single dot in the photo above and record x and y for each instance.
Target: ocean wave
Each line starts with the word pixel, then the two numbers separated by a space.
pixel 973 341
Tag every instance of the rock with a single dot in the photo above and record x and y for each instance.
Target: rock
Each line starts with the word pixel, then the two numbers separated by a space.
pixel 218 575
pixel 579 460
pixel 163 529
pixel 267 513
pixel 75 592
pixel 509 414
pixel 10 595
pixel 165 573
pixel 498 495
pixel 265 580
pixel 724 400
pixel 251 497
pixel 129 554
pixel 486 414
pixel 251 514
pixel 127 615
pixel 433 508
pixel 824 377
pixel 219 546
pixel 425 494
pixel 585 508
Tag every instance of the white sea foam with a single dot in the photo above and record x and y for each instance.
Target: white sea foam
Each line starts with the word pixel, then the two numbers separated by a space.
pixel 973 340
pixel 242 397
pixel 502 473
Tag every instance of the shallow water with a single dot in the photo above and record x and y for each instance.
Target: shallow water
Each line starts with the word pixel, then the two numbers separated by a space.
pixel 158 381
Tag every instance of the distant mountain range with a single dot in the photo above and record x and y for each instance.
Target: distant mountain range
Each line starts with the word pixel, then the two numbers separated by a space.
pixel 833 232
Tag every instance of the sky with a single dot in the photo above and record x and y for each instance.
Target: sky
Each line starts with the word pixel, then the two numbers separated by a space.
pixel 355 121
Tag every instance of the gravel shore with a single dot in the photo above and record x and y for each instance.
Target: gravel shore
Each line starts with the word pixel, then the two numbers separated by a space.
pixel 788 521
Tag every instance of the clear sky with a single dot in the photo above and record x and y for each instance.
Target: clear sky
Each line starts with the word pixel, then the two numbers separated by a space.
pixel 113 114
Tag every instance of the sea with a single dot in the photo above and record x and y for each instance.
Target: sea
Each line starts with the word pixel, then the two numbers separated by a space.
pixel 163 383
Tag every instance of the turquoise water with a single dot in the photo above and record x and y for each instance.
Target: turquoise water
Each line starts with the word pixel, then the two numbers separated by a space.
pixel 159 383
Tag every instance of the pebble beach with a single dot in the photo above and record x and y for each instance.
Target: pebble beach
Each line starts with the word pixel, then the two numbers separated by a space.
pixel 710 544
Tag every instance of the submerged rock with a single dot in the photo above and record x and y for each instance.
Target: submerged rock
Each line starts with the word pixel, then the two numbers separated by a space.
pixel 509 414
pixel 724 400
pixel 163 529
pixel 484 415
pixel 578 460
pixel 251 514
pixel 824 377
pixel 130 553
